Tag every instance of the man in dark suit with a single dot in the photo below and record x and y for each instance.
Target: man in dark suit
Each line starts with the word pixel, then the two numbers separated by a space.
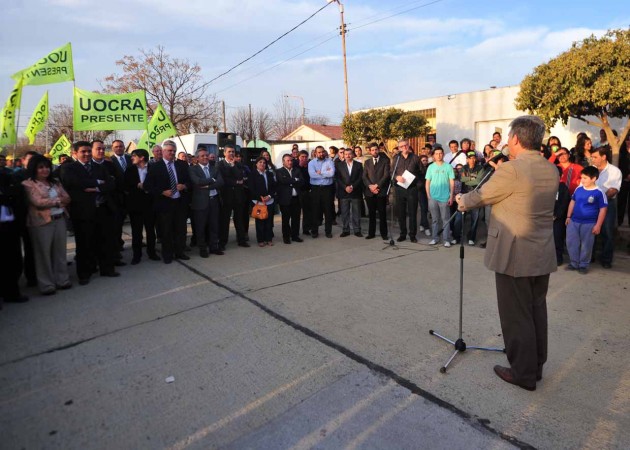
pixel 206 181
pixel 92 212
pixel 140 206
pixel 376 177
pixel 122 162
pixel 407 197
pixel 169 182
pixel 234 199
pixel 520 248
pixel 349 179
pixel 290 182
pixel 305 193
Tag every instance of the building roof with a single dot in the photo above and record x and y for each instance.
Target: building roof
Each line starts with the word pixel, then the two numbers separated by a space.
pixel 332 132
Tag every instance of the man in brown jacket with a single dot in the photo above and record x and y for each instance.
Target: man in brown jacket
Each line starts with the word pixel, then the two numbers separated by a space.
pixel 521 248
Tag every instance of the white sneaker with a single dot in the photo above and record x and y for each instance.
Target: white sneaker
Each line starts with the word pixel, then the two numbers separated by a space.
pixel 447 244
pixel 433 242
pixel 454 241
pixel 421 228
pixel 427 232
pixel 471 242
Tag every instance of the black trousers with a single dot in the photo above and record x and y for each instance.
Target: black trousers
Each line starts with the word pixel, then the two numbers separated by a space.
pixel 323 203
pixel 377 204
pixel 559 237
pixel 96 243
pixel 29 256
pixel 142 220
pixel 423 201
pixel 291 219
pixel 233 204
pixel 623 202
pixel 407 207
pixel 12 255
pixel 523 312
pixel 207 225
pixel 173 228
pixel 307 211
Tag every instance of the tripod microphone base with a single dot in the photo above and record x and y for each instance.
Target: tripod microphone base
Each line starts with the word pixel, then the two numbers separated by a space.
pixel 460 347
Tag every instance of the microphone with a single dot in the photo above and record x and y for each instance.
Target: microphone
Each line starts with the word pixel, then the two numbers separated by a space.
pixel 495 159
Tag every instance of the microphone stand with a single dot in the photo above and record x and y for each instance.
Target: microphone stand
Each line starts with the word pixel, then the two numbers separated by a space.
pixel 391 242
pixel 459 344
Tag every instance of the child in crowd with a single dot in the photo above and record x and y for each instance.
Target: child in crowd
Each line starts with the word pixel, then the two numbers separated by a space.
pixel 587 211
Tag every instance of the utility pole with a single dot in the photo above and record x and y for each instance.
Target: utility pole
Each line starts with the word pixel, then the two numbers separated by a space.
pixel 223 114
pixel 343 48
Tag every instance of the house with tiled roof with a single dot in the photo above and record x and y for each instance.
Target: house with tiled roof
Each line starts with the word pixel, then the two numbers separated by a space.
pixel 310 132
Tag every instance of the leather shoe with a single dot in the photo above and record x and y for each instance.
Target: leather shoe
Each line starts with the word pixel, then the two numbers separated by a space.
pixel 297 239
pixel 135 261
pixel 414 240
pixel 358 234
pixel 168 260
pixel 505 374
pixel 344 234
pixel 218 252
pixel 243 244
pixel 20 299
pixel 401 238
pixel 370 236
pixel 204 253
pixel 120 263
pixel 286 241
pixel 183 257
pixel 314 235
pixel 154 257
pixel 84 281
pixel 607 265
pixel 329 235
pixel 112 274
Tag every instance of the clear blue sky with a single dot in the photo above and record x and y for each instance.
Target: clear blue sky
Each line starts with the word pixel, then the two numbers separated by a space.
pixel 447 47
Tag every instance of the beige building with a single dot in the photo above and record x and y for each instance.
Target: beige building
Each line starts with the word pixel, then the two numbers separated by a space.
pixel 308 132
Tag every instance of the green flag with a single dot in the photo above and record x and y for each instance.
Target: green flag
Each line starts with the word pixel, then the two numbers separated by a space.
pixel 38 119
pixel 94 111
pixel 7 121
pixel 55 67
pixel 160 128
pixel 60 147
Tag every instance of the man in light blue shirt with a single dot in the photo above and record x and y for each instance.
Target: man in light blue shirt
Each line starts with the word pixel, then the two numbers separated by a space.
pixel 322 173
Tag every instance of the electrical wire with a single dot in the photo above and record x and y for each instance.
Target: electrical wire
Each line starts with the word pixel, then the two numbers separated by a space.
pixel 397 14
pixel 269 45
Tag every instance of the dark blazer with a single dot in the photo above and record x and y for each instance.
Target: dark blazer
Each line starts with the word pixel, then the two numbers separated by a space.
pixel 230 174
pixel 379 174
pixel 116 163
pixel 75 179
pixel 137 200
pixel 257 186
pixel 286 183
pixel 158 181
pixel 344 179
pixel 201 185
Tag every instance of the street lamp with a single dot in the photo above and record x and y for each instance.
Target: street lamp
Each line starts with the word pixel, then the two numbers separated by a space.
pixel 343 48
pixel 303 109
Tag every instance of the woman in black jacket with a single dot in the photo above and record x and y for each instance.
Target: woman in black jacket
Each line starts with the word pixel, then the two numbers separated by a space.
pixel 262 188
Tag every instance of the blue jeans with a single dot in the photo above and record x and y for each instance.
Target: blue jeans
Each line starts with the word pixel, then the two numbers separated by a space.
pixel 439 210
pixel 580 239
pixel 474 223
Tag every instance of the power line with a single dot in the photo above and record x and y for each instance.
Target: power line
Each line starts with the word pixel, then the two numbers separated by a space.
pixel 402 5
pixel 397 14
pixel 269 45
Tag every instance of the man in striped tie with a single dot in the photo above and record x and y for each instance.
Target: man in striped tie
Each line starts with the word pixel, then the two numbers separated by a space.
pixel 169 182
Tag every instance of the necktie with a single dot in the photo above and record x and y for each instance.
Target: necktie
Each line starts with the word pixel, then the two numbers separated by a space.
pixel 171 177
pixel 88 167
pixel 206 171
pixel 123 163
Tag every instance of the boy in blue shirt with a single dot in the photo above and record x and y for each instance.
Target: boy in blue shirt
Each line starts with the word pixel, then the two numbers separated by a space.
pixel 585 217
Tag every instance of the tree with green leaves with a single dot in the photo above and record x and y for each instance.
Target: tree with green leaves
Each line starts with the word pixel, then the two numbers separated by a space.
pixel 382 125
pixel 589 82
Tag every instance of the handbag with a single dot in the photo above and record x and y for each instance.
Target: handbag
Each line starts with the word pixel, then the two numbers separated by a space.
pixel 259 211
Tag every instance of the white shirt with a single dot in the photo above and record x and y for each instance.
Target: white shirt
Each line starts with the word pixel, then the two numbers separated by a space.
pixel 609 177
pixel 142 173
pixel 349 168
pixel 450 158
pixel 206 171
pixel 293 191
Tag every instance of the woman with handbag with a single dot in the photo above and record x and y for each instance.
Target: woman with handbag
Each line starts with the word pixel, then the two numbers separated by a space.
pixel 262 188
pixel 47 201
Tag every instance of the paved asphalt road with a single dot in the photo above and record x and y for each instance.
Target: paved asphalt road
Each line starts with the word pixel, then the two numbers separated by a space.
pixel 323 344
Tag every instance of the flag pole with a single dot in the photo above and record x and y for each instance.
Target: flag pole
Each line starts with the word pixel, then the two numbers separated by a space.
pixel 74 88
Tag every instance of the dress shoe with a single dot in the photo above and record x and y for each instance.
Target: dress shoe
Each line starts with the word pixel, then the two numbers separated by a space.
pixel 243 244
pixel 344 234
pixel 168 260
pixel 183 257
pixel 218 252
pixel 112 274
pixel 154 257
pixel 358 234
pixel 84 281
pixel 505 373
pixel 286 241
pixel 120 263
pixel 401 239
pixel 135 261
pixel 50 292
pixel 204 253
pixel 20 299
pixel 270 244
pixel 414 240
pixel 329 235
pixel 314 235
pixel 297 239
pixel 370 236
pixel 63 287
pixel 385 238
pixel 263 244
pixel 482 245
pixel 187 248
pixel 607 265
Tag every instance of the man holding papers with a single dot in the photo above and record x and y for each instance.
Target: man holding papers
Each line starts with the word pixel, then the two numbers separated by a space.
pixel 406 167
pixel 439 185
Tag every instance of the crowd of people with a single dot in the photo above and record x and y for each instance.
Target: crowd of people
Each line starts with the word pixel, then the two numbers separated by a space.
pixel 91 196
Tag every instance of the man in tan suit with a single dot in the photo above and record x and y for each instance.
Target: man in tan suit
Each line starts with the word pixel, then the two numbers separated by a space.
pixel 521 248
